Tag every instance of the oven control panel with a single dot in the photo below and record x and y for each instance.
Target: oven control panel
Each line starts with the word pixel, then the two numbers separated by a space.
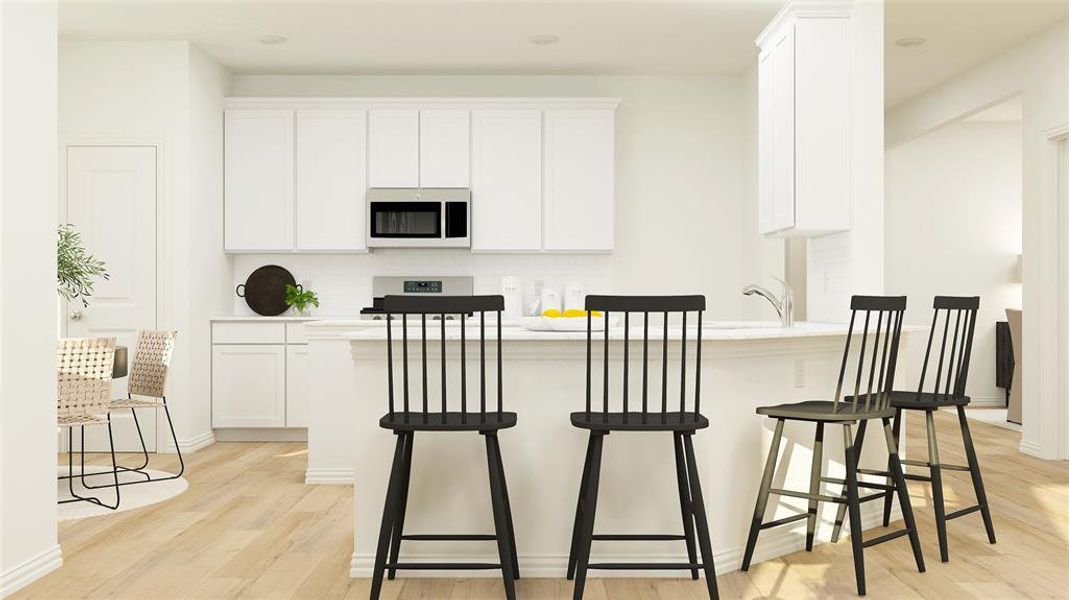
pixel 423 286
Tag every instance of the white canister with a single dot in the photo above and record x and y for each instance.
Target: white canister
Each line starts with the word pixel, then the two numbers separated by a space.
pixel 513 293
pixel 574 296
pixel 550 299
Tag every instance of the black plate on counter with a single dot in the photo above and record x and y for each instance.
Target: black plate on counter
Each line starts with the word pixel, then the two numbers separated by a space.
pixel 265 290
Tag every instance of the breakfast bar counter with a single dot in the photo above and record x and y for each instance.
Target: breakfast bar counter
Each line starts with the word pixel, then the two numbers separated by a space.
pixel 744 365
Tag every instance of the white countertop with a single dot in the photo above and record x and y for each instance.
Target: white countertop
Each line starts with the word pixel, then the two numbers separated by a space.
pixel 713 331
pixel 262 319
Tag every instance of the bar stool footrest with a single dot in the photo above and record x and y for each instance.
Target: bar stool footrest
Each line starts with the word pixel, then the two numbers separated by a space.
pixel 646 566
pixel 443 566
pixel 885 538
pixel 449 537
pixel 963 512
pixel 807 495
pixel 637 537
pixel 785 520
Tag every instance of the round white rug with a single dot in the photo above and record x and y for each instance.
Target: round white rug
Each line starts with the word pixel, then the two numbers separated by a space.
pixel 131 496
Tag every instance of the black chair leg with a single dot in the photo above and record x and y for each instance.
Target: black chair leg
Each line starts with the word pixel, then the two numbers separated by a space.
pixel 389 513
pixel 497 499
pixel 697 506
pixel 762 496
pixel 974 470
pixel 590 502
pixel 840 512
pixel 573 553
pixel 854 509
pixel 903 495
pixel 685 503
pixel 889 497
pixel 508 510
pixel 402 505
pixel 814 486
pixel 936 474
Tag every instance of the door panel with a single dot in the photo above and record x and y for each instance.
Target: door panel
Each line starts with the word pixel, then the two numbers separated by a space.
pixel 111 200
pixel 331 180
pixel 444 148
pixel 578 163
pixel 506 189
pixel 297 400
pixel 258 180
pixel 248 385
pixel 393 148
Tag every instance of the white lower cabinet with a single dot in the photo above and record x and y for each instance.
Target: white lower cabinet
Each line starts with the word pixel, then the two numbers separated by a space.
pixel 259 375
pixel 297 400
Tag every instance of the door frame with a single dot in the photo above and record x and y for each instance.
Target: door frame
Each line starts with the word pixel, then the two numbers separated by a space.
pixel 1053 406
pixel 163 310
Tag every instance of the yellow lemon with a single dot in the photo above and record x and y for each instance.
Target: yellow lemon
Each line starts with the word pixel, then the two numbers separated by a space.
pixel 551 313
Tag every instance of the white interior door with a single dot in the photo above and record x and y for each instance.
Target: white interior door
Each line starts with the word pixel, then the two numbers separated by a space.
pixel 110 196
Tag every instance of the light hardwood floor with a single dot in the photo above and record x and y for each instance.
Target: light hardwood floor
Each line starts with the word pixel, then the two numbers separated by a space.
pixel 249 528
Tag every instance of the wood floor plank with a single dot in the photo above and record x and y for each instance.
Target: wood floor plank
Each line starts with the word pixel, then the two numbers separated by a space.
pixel 248 528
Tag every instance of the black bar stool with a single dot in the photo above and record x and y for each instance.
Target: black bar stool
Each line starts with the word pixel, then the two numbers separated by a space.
pixel 681 423
pixel 871 402
pixel 948 390
pixel 407 422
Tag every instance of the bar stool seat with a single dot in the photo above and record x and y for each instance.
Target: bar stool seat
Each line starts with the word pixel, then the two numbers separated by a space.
pixel 823 410
pixel 637 421
pixel 909 400
pixel 449 421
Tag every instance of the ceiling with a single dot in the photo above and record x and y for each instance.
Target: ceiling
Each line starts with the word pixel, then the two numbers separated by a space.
pixel 960 34
pixel 595 36
pixel 444 37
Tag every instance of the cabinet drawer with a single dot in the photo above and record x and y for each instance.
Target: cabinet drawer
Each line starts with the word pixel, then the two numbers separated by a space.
pixel 295 333
pixel 248 333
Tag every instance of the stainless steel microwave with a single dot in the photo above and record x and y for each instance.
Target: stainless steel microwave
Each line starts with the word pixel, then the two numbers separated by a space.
pixel 418 218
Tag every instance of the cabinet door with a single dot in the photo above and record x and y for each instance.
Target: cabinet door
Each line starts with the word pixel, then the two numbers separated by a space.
pixel 249 385
pixel 765 174
pixel 783 132
pixel 444 149
pixel 331 180
pixel 506 187
pixel 393 148
pixel 297 398
pixel 578 158
pixel 258 180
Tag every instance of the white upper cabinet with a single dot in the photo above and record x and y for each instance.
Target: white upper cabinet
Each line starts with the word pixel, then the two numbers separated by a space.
pixel 331 180
pixel 578 165
pixel 393 148
pixel 444 148
pixel 506 186
pixel 803 120
pixel 258 181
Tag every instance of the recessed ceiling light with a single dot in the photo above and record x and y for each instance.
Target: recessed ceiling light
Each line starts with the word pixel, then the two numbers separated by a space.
pixel 544 40
pixel 910 42
pixel 273 40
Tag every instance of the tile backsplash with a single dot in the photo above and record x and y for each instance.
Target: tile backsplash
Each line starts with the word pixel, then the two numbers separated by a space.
pixel 343 281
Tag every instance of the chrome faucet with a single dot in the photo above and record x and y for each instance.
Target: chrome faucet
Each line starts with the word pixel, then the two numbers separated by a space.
pixel 784 306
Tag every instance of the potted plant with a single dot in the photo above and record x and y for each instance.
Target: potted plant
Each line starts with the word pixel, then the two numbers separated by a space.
pixel 76 269
pixel 301 299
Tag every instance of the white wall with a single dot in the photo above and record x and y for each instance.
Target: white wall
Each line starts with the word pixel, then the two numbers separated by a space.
pixel 28 301
pixel 851 262
pixel 680 207
pixel 167 93
pixel 1038 70
pixel 953 220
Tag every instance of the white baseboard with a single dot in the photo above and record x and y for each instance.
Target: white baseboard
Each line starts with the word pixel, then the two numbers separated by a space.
pixel 771 544
pixel 261 434
pixel 990 402
pixel 189 446
pixel 329 476
pixel 1031 448
pixel 30 571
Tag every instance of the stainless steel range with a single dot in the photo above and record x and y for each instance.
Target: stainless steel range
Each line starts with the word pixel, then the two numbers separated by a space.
pixel 382 286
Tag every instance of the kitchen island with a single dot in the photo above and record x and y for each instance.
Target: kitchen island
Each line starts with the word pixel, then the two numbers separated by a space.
pixel 744 365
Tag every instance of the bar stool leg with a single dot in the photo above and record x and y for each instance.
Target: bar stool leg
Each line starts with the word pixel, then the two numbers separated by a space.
pixel 840 512
pixel 573 553
pixel 508 509
pixel 685 503
pixel 903 495
pixel 402 506
pixel 888 498
pixel 974 470
pixel 497 500
pixel 814 486
pixel 936 474
pixel 590 503
pixel 389 513
pixel 697 507
pixel 854 508
pixel 762 496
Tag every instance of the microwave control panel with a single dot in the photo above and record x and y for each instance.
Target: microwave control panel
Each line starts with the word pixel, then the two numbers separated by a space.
pixel 423 286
